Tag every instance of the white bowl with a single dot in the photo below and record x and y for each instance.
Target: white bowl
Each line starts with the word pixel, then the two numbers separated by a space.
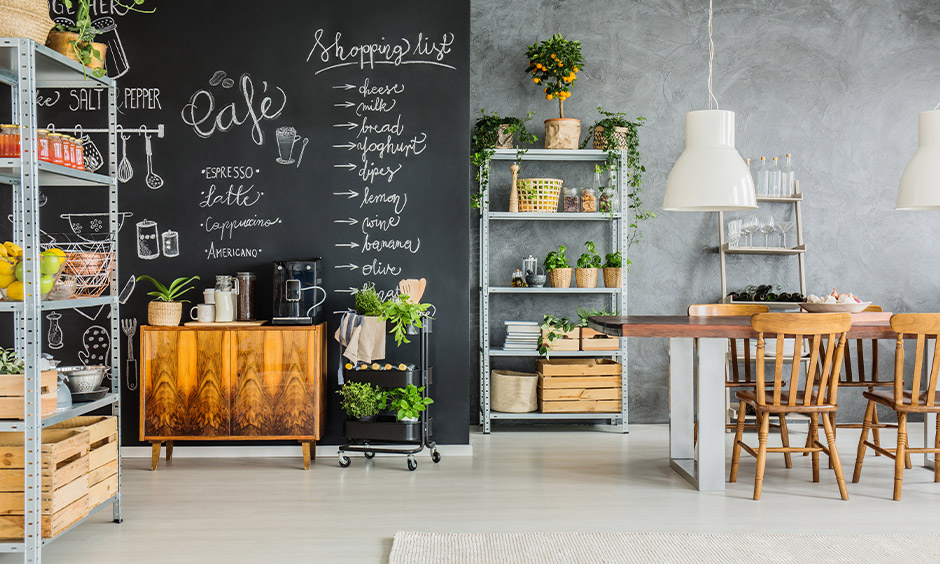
pixel 835 308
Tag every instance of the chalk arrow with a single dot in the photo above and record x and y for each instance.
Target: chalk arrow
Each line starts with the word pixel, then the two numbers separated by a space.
pixel 346 104
pixel 349 221
pixel 349 146
pixel 346 291
pixel 351 193
pixel 349 266
pixel 347 125
pixel 347 166
pixel 350 245
pixel 344 86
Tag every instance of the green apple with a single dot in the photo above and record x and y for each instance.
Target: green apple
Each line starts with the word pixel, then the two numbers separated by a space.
pixel 45 284
pixel 18 271
pixel 50 263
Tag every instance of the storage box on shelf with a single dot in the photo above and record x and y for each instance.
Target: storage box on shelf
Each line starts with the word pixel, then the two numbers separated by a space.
pixel 567 341
pixel 102 455
pixel 514 392
pixel 64 497
pixel 579 385
pixel 592 340
pixel 11 394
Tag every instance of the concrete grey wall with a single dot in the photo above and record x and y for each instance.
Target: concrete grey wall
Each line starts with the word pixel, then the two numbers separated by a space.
pixel 838 83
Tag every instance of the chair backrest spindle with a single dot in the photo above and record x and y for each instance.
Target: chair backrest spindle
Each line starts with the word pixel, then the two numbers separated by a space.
pixel 924 327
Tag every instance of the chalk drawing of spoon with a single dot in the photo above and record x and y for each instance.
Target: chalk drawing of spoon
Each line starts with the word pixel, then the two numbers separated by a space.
pixel 154 182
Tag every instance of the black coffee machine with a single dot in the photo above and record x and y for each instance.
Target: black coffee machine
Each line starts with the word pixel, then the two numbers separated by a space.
pixel 296 285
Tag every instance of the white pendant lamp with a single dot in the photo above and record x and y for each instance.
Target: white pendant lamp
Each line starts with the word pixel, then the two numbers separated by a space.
pixel 710 174
pixel 920 184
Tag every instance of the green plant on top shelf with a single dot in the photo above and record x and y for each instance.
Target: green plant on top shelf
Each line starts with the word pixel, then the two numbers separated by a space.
pixel 407 402
pixel 486 135
pixel 169 294
pixel 402 313
pixel 590 259
pixel 553 328
pixel 361 399
pixel 10 363
pixel 556 259
pixel 367 301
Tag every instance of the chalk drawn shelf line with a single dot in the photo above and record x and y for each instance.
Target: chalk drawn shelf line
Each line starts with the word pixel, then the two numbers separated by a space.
pixel 50 305
pixel 53 175
pixel 59 416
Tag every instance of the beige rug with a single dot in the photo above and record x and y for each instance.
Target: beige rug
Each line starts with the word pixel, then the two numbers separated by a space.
pixel 659 548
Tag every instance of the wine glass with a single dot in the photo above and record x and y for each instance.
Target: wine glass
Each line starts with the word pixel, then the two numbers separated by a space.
pixel 783 227
pixel 767 227
pixel 749 227
pixel 734 232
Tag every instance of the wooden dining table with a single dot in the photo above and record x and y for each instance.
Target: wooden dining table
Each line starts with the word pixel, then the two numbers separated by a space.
pixel 705 339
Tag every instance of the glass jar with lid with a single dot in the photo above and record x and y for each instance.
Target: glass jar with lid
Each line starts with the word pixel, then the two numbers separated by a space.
pixel 571 203
pixel 9 140
pixel 67 151
pixel 246 295
pixel 588 200
pixel 79 154
pixel 43 143
pixel 224 299
pixel 55 144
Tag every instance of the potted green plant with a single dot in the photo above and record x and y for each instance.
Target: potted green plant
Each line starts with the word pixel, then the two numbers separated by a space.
pixel 166 309
pixel 555 331
pixel 367 301
pixel 492 132
pixel 361 400
pixel 588 263
pixel 554 64
pixel 407 402
pixel 405 316
pixel 557 268
pixel 613 270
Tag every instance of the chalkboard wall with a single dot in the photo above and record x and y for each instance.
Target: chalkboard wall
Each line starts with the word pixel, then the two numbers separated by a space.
pixel 292 129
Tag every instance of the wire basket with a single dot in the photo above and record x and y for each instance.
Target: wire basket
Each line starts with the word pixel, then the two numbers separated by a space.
pixel 88 266
pixel 539 194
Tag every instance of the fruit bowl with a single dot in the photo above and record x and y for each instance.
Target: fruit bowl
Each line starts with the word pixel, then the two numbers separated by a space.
pixel 835 308
pixel 51 266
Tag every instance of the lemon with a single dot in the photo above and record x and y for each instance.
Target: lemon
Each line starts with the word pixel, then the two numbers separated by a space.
pixel 7 265
pixel 15 291
pixel 57 251
pixel 6 280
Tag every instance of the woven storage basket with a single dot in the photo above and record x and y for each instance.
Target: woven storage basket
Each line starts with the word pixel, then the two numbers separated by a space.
pixel 514 392
pixel 539 194
pixel 60 42
pixel 559 277
pixel 612 277
pixel 164 314
pixel 586 277
pixel 620 138
pixel 25 18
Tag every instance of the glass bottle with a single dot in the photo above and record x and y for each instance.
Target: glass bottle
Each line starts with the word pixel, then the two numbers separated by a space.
pixel 224 299
pixel 517 280
pixel 773 179
pixel 762 177
pixel 787 178
pixel 570 203
pixel 750 172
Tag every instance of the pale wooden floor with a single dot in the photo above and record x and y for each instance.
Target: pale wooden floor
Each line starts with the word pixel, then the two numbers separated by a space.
pixel 267 510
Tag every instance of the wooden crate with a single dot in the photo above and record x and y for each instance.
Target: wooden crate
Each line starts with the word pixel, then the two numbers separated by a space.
pixel 578 367
pixel 592 340
pixel 64 475
pixel 579 386
pixel 11 394
pixel 569 341
pixel 102 455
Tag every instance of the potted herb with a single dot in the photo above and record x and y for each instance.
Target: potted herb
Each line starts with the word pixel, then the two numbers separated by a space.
pixel 166 309
pixel 554 64
pixel 556 330
pixel 404 315
pixel 367 301
pixel 557 268
pixel 492 132
pixel 613 270
pixel 408 402
pixel 361 400
pixel 588 263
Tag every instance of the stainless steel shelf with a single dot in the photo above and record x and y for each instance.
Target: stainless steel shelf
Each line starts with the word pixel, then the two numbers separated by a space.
pixel 551 155
pixel 782 199
pixel 560 216
pixel 52 69
pixel 552 354
pixel 538 415
pixel 49 305
pixel 763 250
pixel 54 175
pixel 60 416
pixel 547 290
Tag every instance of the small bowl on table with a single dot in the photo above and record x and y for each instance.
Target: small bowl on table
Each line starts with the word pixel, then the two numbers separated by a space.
pixel 835 308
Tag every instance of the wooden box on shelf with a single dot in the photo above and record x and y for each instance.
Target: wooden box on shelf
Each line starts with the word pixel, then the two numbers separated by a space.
pixel 569 341
pixel 102 455
pixel 583 385
pixel 11 394
pixel 592 340
pixel 64 474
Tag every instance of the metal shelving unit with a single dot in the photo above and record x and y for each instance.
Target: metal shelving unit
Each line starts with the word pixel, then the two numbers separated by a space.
pixel 617 296
pixel 26 66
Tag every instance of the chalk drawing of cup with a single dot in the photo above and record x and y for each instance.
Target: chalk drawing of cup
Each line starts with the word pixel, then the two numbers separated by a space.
pixel 286 139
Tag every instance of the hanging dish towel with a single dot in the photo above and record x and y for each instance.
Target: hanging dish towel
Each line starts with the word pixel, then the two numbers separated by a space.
pixel 362 339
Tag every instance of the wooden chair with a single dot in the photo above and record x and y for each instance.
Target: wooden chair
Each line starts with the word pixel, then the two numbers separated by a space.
pixel 920 398
pixel 734 378
pixel 818 397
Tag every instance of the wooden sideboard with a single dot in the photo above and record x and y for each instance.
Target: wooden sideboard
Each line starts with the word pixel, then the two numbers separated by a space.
pixel 232 383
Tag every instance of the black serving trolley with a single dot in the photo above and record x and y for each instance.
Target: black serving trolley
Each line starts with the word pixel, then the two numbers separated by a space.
pixel 385 435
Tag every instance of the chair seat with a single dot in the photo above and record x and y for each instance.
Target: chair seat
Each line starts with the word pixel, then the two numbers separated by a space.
pixel 886 398
pixel 750 397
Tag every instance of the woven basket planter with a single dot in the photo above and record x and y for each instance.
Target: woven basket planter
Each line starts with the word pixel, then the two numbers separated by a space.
pixel 61 42
pixel 539 194
pixel 586 277
pixel 514 392
pixel 562 133
pixel 613 277
pixel 620 138
pixel 25 18
pixel 164 314
pixel 560 277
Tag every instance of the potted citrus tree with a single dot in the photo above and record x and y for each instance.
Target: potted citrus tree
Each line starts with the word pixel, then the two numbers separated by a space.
pixel 557 268
pixel 554 64
pixel 166 309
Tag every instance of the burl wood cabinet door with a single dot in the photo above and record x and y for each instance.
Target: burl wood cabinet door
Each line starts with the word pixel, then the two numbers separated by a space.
pixel 185 384
pixel 275 377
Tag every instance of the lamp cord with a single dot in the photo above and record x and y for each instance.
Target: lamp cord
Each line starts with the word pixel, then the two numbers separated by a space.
pixel 711 59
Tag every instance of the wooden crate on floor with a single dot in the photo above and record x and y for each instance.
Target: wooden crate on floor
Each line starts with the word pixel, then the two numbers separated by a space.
pixel 11 394
pixel 592 340
pixel 102 455
pixel 64 476
pixel 579 386
pixel 568 341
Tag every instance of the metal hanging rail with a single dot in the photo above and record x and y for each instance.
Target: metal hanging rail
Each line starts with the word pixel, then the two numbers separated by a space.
pixel 160 130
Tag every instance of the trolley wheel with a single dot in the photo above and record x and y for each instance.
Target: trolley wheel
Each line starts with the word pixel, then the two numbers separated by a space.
pixel 435 456
pixel 412 463
pixel 369 454
pixel 344 461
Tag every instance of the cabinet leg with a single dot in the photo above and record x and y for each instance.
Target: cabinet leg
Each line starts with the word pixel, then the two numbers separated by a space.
pixel 305 446
pixel 155 455
pixel 169 451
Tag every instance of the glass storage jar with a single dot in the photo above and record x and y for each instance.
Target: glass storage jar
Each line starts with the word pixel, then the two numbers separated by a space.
pixel 588 200
pixel 570 201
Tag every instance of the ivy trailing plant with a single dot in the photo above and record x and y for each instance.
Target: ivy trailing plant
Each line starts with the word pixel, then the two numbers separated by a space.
pixel 483 145
pixel 553 328
pixel 83 46
pixel 584 314
pixel 555 63
pixel 590 259
pixel 556 259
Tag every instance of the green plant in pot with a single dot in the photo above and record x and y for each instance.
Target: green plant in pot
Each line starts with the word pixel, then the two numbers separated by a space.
pixel 588 263
pixel 361 400
pixel 166 309
pixel 10 362
pixel 557 268
pixel 367 301
pixel 554 65
pixel 492 132
pixel 555 329
pixel 407 403
pixel 405 316
pixel 613 270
